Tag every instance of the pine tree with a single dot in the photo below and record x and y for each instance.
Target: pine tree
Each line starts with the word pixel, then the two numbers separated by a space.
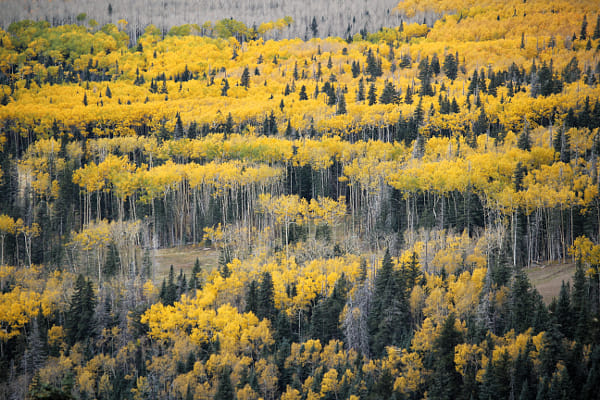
pixel 302 95
pixel 314 27
pixel 225 389
pixel 170 291
pixel 580 306
pixel 195 282
pixel 245 79
pixel 179 132
pixel 524 142
pixel 224 87
pixel 85 101
pixel 266 300
pixel 434 67
pixel 111 265
pixel 388 94
pixel 583 32
pixel 79 321
pixel 562 310
pixel 373 66
pixel 519 175
pixel 480 126
pixel 596 34
pixel 341 107
pixel 424 75
pixel 372 95
pixel 450 66
pixel 408 96
pixel 228 128
pixel 445 379
pixel 360 94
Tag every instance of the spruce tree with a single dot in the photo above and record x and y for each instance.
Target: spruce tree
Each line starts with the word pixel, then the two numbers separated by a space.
pixel 596 34
pixel 302 95
pixel 79 322
pixel 524 142
pixel 583 32
pixel 580 306
pixel 266 300
pixel 111 265
pixel 372 95
pixel 360 93
pixel 450 66
pixel 434 67
pixel 341 107
pixel 445 380
pixel 224 87
pixel 225 389
pixel 245 78
pixel 195 282
pixel 408 96
pixel 314 27
pixel 179 132
pixel 388 94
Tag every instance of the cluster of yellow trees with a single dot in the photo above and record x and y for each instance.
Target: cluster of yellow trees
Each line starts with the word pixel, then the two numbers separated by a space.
pixel 286 159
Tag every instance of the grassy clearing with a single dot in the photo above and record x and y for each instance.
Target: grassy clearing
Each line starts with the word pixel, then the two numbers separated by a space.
pixel 183 258
pixel 548 278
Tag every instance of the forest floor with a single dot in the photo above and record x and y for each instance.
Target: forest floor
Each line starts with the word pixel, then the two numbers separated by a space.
pixel 183 258
pixel 547 278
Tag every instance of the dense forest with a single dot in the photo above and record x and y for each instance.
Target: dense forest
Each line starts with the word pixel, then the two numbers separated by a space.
pixel 371 204
pixel 311 18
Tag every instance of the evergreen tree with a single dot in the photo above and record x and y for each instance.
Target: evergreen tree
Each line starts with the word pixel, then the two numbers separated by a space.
pixel 252 298
pixel 225 389
pixel 245 78
pixel 192 132
pixel 596 34
pixel 341 109
pixel 583 32
pixel 372 95
pixel 562 311
pixel 571 72
pixel 266 300
pixel 580 306
pixel 424 75
pixel 408 96
pixel 524 142
pixel 480 126
pixel 360 94
pixel 450 66
pixel 302 95
pixel 314 27
pixel 228 128
pixel 388 94
pixel 195 282
pixel 224 87
pixel 111 265
pixel 170 292
pixel 434 67
pixel 373 66
pixel 519 175
pixel 445 380
pixel 79 322
pixel 179 132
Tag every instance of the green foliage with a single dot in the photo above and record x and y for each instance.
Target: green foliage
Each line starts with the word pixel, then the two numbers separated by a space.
pixel 80 317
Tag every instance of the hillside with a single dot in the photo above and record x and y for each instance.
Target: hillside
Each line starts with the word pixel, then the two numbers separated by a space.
pixel 234 212
pixel 333 18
